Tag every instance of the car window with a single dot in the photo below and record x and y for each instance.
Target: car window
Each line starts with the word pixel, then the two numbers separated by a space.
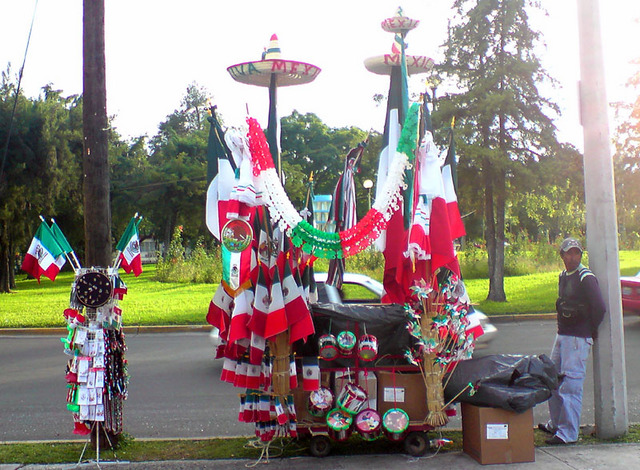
pixel 356 293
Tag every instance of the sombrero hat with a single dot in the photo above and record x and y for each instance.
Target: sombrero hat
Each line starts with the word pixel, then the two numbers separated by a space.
pixel 287 72
pixel 383 64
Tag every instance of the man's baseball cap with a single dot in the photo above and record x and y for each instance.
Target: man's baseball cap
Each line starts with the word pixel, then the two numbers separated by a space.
pixel 569 243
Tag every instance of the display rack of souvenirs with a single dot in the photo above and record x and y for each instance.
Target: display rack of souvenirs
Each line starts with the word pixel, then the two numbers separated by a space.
pixel 96 371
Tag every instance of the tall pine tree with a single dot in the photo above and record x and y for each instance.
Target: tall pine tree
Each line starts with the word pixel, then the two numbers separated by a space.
pixel 501 117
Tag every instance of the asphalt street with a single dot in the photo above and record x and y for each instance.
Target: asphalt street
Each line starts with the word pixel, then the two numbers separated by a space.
pixel 175 391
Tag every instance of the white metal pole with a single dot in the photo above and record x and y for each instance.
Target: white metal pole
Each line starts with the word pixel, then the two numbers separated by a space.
pixel 602 228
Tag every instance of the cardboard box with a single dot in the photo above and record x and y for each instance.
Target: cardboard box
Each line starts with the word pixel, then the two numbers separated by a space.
pixel 404 390
pixel 494 435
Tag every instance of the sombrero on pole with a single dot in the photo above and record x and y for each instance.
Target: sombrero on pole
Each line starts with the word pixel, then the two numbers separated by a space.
pixel 382 65
pixel 286 72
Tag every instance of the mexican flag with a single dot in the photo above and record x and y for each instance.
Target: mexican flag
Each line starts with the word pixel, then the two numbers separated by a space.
pixel 45 256
pixel 129 248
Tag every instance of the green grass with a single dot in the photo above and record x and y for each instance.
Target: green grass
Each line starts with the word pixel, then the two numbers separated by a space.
pixel 133 450
pixel 150 302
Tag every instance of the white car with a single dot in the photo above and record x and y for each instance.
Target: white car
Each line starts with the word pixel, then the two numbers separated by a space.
pixel 359 288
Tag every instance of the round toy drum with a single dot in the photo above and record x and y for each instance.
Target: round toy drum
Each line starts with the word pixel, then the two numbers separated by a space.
pixel 320 402
pixel 352 398
pixel 395 423
pixel 328 347
pixel 339 424
pixel 346 343
pixel 369 424
pixel 368 347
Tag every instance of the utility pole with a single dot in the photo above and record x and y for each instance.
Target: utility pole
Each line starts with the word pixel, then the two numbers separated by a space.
pixel 95 163
pixel 610 383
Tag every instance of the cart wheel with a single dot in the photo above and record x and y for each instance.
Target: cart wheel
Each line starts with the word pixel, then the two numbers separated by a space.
pixel 416 443
pixel 320 446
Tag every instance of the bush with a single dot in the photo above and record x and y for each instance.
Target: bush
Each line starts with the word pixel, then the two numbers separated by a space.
pixel 200 265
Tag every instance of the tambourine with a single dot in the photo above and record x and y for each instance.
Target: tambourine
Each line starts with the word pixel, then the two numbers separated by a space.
pixel 369 424
pixel 352 398
pixel 346 342
pixel 368 347
pixel 395 423
pixel 320 402
pixel 93 289
pixel 328 347
pixel 339 424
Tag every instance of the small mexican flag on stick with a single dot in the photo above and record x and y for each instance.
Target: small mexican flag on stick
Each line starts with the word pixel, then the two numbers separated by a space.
pixel 45 255
pixel 129 248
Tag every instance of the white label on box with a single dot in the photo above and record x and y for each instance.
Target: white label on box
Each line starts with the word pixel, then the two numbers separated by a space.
pixel 497 431
pixel 394 394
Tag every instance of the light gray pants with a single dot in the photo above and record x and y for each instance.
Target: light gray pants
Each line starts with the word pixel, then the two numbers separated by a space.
pixel 570 354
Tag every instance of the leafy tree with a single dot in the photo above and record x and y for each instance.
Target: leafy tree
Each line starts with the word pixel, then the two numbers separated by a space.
pixel 41 173
pixel 501 121
pixel 627 165
pixel 309 145
pixel 174 182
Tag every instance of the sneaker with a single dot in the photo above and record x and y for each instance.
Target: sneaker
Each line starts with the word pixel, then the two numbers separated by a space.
pixel 555 441
pixel 546 428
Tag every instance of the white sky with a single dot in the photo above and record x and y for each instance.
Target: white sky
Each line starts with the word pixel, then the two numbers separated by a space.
pixel 155 48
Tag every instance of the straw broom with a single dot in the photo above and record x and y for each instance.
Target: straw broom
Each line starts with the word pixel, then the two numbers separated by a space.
pixel 432 372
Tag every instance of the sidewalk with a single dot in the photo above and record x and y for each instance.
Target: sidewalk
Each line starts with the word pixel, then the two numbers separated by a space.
pixel 579 457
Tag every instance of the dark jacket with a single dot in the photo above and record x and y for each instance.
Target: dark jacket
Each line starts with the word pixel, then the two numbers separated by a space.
pixel 580 305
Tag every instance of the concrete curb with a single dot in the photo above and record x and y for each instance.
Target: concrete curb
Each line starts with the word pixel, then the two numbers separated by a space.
pixel 135 330
pixel 128 330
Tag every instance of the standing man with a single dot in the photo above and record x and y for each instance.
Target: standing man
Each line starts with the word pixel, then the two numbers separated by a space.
pixel 580 310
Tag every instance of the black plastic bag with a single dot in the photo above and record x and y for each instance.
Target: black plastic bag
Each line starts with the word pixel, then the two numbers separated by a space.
pixel 511 382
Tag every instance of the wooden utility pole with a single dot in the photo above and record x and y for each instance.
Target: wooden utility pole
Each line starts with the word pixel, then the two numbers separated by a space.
pixel 95 163
pixel 610 384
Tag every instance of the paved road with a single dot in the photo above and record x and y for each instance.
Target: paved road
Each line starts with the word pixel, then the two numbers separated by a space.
pixel 175 390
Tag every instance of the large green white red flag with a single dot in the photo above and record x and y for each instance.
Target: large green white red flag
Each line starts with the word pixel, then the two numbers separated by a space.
pixel 129 248
pixel 44 256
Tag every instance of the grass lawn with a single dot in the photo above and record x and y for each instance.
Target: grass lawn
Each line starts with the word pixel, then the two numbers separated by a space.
pixel 150 302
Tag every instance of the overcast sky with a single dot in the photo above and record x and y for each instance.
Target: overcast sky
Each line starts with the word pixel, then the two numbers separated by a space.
pixel 156 48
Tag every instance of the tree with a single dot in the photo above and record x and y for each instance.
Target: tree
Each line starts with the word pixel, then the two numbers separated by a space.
pixel 41 175
pixel 309 145
pixel 501 120
pixel 627 165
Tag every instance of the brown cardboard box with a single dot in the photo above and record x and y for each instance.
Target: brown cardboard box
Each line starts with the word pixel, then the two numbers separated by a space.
pixel 493 435
pixel 402 390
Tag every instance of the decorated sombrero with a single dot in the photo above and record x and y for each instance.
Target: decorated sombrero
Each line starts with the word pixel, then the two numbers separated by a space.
pixel 383 64
pixel 287 72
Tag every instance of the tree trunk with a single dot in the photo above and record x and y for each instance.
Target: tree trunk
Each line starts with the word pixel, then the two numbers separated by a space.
pixel 494 204
pixel 496 280
pixel 6 266
pixel 97 210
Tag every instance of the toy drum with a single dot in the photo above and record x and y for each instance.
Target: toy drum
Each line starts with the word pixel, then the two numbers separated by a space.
pixel 346 343
pixel 328 347
pixel 320 401
pixel 352 398
pixel 339 424
pixel 369 424
pixel 395 423
pixel 368 347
